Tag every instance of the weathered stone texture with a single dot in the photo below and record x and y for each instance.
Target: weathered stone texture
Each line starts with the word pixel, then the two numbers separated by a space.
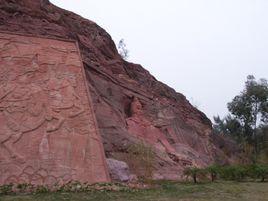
pixel 129 103
pixel 48 132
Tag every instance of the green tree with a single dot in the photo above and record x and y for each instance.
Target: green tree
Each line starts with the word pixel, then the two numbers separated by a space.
pixel 250 108
pixel 249 111
pixel 228 126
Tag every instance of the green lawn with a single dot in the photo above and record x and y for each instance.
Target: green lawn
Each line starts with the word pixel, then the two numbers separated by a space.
pixel 167 191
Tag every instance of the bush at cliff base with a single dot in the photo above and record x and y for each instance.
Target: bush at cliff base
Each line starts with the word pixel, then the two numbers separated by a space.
pixel 230 173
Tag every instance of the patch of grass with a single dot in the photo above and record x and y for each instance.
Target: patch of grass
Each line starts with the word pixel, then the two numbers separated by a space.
pixel 163 191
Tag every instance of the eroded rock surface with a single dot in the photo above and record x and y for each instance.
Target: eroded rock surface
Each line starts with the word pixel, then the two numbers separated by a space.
pixel 130 104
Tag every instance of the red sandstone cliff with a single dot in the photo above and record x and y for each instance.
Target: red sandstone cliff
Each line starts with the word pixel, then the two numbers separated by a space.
pixel 130 104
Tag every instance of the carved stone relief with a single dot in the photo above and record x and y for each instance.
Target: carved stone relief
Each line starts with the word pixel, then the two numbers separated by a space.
pixel 48 131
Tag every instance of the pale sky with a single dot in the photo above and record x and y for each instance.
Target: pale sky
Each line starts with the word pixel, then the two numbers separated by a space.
pixel 201 48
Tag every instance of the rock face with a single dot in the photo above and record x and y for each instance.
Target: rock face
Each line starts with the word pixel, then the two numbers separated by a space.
pixel 129 103
pixel 48 131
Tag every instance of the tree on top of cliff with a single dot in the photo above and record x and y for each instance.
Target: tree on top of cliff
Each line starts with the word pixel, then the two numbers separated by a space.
pixel 122 49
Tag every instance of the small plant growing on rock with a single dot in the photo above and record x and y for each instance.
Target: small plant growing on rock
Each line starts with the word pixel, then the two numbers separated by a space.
pixel 142 160
pixel 122 49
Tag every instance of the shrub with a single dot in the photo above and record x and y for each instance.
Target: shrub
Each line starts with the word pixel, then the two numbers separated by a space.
pixel 236 172
pixel 24 188
pixel 41 189
pixel 6 189
pixel 258 171
pixel 141 159
pixel 213 171
pixel 194 173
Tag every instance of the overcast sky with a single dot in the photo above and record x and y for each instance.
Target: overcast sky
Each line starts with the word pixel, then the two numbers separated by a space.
pixel 202 48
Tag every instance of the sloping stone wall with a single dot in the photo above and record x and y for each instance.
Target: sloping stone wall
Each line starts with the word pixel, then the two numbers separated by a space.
pixel 48 131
